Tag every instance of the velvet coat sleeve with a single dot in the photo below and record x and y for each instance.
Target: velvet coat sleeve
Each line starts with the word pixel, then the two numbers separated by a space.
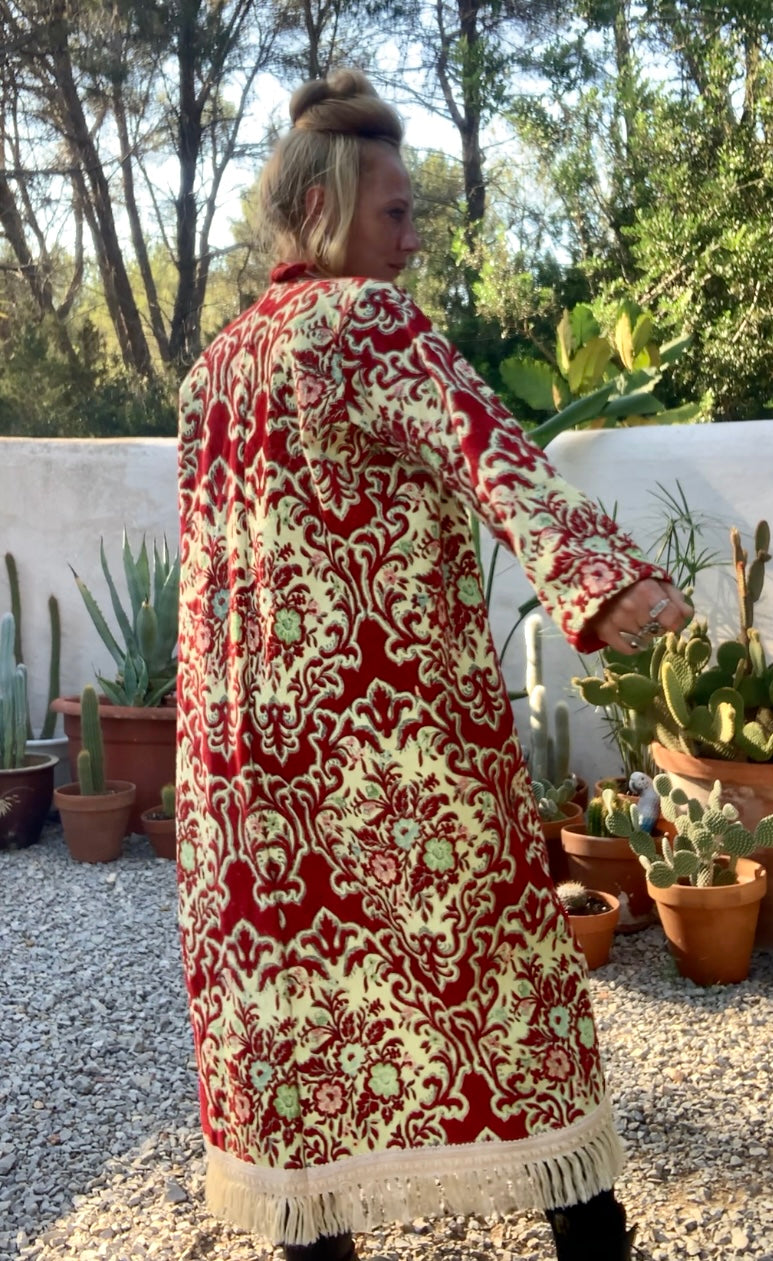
pixel 408 389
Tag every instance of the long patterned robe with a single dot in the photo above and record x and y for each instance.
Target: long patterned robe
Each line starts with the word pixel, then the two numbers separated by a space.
pixel 390 1017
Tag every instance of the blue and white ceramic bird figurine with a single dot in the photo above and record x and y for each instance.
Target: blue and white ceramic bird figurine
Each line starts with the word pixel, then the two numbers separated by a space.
pixel 648 802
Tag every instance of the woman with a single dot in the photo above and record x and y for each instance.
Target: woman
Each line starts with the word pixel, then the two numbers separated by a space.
pixel 390 1017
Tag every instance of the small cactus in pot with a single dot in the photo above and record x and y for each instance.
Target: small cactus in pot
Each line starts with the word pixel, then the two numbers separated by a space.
pixel 593 917
pixel 551 798
pixel 577 900
pixel 160 825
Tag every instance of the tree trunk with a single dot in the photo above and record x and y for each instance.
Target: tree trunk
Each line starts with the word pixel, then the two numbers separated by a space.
pixel 115 279
pixel 185 336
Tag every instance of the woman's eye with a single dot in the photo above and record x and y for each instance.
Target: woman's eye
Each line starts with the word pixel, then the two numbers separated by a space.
pixel 396 213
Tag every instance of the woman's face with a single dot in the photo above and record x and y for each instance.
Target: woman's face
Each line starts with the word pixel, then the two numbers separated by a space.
pixel 382 236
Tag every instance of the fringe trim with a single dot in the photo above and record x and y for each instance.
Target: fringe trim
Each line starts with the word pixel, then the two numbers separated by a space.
pixel 358 1193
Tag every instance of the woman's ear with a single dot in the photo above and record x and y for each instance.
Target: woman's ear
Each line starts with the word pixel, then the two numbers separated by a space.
pixel 314 202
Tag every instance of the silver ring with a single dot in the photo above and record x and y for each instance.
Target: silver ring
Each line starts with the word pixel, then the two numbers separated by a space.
pixel 651 628
pixel 658 608
pixel 632 640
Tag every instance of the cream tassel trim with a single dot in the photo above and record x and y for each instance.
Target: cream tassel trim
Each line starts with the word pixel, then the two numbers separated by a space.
pixel 358 1193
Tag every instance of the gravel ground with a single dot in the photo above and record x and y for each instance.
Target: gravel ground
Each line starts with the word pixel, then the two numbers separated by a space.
pixel 100 1154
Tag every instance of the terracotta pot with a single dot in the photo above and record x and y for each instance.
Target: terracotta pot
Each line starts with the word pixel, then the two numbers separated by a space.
pixel 580 797
pixel 710 932
pixel 594 933
pixel 94 827
pixel 618 782
pixel 551 830
pixel 746 785
pixel 161 832
pixel 25 800
pixel 140 746
pixel 610 865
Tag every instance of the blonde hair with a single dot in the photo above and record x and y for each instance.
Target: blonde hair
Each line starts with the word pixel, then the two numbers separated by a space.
pixel 333 120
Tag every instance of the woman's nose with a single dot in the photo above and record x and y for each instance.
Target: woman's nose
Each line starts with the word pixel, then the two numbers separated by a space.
pixel 411 239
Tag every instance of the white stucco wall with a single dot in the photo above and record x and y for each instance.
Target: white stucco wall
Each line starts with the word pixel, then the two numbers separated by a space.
pixel 57 497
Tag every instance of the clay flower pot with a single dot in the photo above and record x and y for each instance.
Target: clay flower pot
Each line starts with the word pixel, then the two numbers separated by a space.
pixel 551 830
pixel 746 785
pixel 594 933
pixel 94 827
pixel 140 746
pixel 25 800
pixel 161 831
pixel 710 932
pixel 608 863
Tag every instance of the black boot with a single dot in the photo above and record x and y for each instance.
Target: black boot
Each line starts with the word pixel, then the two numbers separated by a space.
pixel 594 1231
pixel 326 1248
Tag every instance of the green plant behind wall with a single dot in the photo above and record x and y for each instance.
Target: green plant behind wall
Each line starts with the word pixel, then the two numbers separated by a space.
pixel 587 360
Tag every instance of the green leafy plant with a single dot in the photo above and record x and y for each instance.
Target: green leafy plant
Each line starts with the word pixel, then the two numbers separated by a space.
pixel 147 657
pixel 709 839
pixel 13 698
pixel 613 372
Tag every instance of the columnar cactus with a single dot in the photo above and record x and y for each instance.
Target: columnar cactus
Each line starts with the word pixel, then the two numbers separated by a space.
pixel 708 843
pixel 49 722
pixel 599 809
pixel 549 756
pixel 91 759
pixel 168 801
pixel 13 698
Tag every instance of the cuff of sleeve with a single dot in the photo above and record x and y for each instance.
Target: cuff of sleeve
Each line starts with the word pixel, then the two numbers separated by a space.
pixel 584 638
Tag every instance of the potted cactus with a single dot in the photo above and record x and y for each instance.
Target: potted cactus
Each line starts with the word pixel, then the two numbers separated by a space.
pixel 706 883
pixel 94 810
pixel 137 708
pixel 598 853
pixel 160 824
pixel 593 917
pixel 26 779
pixel 706 712
pixel 556 807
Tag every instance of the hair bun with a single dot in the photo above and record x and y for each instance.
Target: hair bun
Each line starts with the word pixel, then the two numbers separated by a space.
pixel 347 104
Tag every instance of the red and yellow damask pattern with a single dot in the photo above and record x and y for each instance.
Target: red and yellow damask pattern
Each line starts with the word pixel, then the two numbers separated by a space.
pixel 388 1010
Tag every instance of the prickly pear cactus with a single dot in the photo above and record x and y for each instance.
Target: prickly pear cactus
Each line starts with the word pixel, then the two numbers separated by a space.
pixel 708 843
pixel 720 708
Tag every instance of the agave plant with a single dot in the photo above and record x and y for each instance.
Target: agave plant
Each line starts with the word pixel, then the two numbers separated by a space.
pixel 147 657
